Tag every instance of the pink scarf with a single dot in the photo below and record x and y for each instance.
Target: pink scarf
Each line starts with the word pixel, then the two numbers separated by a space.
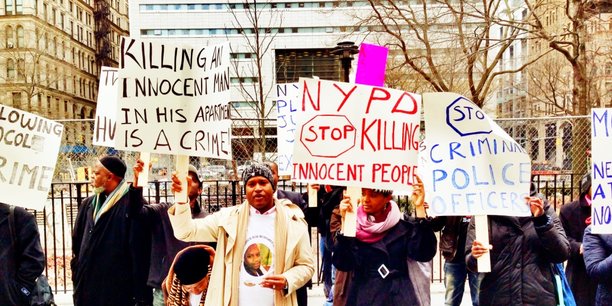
pixel 370 231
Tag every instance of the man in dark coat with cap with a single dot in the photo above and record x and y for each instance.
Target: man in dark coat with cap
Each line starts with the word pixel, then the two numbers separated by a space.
pixel 575 217
pixel 107 264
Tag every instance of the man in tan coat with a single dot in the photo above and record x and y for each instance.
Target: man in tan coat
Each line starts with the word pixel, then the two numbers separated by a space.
pixel 277 229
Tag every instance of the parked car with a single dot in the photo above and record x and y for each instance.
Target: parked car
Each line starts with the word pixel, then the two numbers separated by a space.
pixel 219 171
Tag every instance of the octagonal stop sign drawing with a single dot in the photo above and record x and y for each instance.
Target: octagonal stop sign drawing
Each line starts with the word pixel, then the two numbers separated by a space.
pixel 328 135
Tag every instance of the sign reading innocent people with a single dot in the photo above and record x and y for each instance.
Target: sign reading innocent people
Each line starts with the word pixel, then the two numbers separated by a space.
pixel 601 172
pixel 357 135
pixel 473 167
pixel 288 108
pixel 173 99
pixel 29 145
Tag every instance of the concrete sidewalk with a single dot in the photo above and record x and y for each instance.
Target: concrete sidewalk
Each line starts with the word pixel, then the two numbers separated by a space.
pixel 315 296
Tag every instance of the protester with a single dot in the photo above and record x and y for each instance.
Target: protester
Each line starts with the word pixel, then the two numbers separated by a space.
pixel 452 247
pixel 108 244
pixel 261 219
pixel 575 217
pixel 21 257
pixel 379 255
pixel 297 199
pixel 189 276
pixel 598 262
pixel 523 250
pixel 164 246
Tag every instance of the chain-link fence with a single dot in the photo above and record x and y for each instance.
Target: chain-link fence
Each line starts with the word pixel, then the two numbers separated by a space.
pixel 555 144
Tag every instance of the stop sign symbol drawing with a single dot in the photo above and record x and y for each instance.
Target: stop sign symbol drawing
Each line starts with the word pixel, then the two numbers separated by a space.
pixel 328 135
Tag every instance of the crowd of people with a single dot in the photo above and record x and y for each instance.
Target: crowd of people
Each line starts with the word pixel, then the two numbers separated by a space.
pixel 130 252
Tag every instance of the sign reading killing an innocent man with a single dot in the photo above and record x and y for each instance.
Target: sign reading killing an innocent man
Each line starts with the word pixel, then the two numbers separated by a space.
pixel 601 171
pixel 288 108
pixel 29 145
pixel 106 108
pixel 470 166
pixel 357 135
pixel 174 99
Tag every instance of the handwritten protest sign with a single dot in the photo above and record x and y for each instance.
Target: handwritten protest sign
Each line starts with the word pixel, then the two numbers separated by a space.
pixel 601 173
pixel 288 108
pixel 173 99
pixel 105 124
pixel 357 135
pixel 372 64
pixel 472 166
pixel 29 145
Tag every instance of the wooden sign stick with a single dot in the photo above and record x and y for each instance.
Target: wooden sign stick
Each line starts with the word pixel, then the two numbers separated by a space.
pixel 182 169
pixel 349 222
pixel 482 235
pixel 312 196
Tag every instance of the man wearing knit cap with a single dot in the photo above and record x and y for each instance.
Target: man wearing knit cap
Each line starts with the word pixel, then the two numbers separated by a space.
pixel 106 243
pixel 277 229
pixel 164 246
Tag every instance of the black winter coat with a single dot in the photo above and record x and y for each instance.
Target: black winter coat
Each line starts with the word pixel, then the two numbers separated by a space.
pixel 407 239
pixel 110 258
pixel 598 260
pixel 19 268
pixel 523 250
pixel 573 217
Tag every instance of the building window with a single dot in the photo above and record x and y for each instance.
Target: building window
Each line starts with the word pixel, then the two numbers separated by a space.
pixel 10 69
pixel 10 40
pixel 21 69
pixel 9 7
pixel 17 99
pixel 20 38
pixel 18 7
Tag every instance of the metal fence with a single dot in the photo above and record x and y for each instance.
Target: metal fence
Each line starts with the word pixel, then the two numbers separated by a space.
pixel 56 221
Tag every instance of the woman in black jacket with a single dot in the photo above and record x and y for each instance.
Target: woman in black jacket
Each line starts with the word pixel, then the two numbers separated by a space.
pixel 386 243
pixel 523 249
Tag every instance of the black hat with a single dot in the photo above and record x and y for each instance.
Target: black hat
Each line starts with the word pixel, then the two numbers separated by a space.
pixel 114 164
pixel 191 265
pixel 585 183
pixel 258 170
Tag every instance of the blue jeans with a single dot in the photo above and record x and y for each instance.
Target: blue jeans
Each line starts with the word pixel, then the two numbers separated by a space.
pixel 454 281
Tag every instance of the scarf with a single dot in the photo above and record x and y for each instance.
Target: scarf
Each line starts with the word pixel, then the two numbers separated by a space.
pixel 280 244
pixel 370 231
pixel 102 206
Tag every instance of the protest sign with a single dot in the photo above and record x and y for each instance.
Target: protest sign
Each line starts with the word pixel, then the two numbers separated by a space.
pixel 105 124
pixel 288 108
pixel 29 146
pixel 601 171
pixel 357 135
pixel 173 99
pixel 372 64
pixel 472 166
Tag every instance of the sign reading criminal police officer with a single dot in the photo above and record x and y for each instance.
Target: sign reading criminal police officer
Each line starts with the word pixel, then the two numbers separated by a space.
pixel 29 145
pixel 357 135
pixel 174 99
pixel 601 172
pixel 471 166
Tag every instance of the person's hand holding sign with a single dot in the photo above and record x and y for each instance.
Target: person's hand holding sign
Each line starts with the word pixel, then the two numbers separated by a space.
pixel 345 205
pixel 479 249
pixel 176 184
pixel 138 167
pixel 418 198
pixel 536 204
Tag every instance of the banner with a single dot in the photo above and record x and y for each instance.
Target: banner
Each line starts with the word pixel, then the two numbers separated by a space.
pixel 357 135
pixel 470 166
pixel 105 124
pixel 288 108
pixel 29 146
pixel 174 99
pixel 601 170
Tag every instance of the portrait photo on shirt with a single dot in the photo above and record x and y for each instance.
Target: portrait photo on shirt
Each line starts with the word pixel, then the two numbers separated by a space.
pixel 257 259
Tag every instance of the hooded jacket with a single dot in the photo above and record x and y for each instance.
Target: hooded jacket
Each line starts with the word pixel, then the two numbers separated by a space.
pixel 223 227
pixel 598 261
pixel 523 250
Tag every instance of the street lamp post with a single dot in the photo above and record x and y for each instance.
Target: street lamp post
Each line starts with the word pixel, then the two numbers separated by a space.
pixel 345 50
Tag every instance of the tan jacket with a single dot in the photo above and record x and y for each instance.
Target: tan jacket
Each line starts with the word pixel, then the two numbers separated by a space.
pixel 222 227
